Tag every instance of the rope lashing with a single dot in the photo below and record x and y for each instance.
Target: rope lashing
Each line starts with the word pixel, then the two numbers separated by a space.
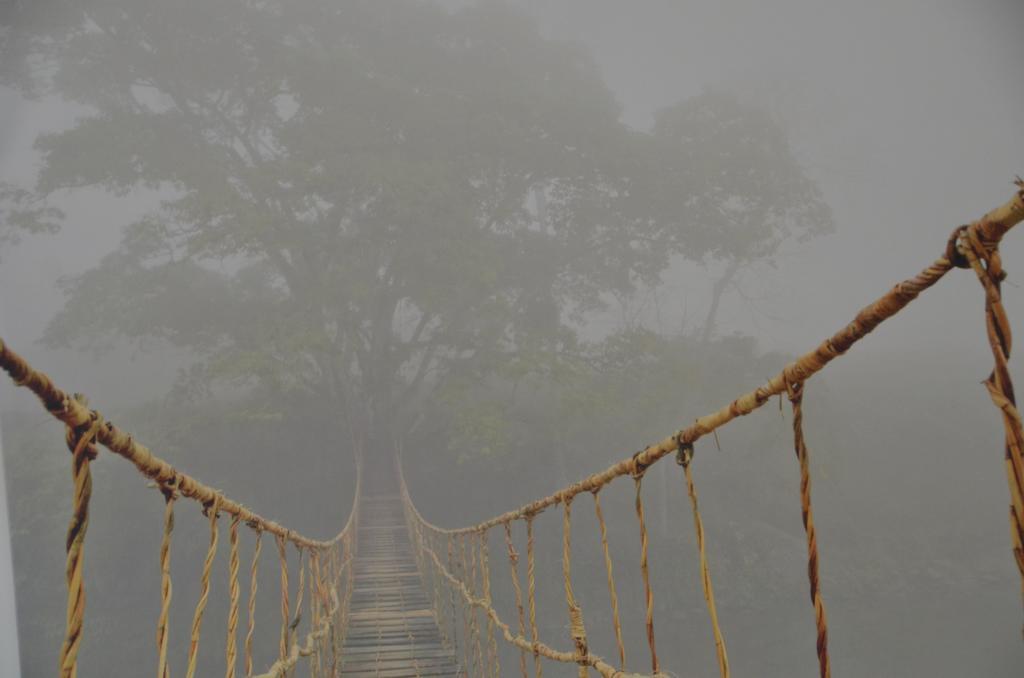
pixel 683 457
pixel 796 394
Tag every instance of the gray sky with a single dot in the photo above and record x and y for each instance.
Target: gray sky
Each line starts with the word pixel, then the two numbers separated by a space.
pixel 909 115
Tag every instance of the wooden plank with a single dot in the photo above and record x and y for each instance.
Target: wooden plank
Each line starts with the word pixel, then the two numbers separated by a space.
pixel 392 632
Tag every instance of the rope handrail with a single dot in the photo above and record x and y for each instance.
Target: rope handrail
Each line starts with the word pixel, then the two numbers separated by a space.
pixel 85 429
pixel 75 414
pixel 466 571
pixel 989 230
pixel 973 246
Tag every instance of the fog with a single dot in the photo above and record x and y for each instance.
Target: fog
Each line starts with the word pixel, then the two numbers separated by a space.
pixel 518 242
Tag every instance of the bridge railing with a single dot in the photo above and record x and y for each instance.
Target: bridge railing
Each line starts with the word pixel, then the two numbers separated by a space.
pixel 455 566
pixel 325 564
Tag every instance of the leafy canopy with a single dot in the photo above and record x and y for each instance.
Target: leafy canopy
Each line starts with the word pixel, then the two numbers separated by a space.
pixel 365 202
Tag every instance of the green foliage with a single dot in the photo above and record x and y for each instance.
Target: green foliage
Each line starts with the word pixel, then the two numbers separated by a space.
pixel 381 206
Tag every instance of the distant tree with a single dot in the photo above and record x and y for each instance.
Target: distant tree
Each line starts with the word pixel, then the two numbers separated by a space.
pixel 749 192
pixel 22 213
pixel 366 203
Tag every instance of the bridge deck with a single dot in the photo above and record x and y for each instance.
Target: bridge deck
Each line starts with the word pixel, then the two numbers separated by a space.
pixel 392 632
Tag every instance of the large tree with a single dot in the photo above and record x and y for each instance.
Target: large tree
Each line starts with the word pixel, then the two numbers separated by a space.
pixel 362 201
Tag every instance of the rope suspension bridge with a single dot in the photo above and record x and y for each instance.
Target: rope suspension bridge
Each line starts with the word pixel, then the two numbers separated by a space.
pixel 393 595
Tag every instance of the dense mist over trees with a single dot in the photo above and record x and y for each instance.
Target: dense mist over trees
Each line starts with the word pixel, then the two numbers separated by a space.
pixel 367 204
pixel 431 227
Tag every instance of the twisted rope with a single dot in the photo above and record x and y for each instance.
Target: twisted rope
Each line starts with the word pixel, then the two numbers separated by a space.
pixel 485 572
pixel 478 654
pixel 796 398
pixel 577 631
pixel 283 556
pixel 604 668
pixel 982 254
pixel 251 629
pixel 204 586
pixel 80 440
pixel 163 671
pixel 990 228
pixel 231 654
pixel 645 572
pixel 513 560
pixel 467 635
pixel 451 600
pixel 611 580
pixel 294 625
pixel 531 586
pixel 685 456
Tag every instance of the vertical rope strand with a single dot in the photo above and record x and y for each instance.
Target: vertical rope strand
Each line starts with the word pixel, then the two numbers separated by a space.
pixel 611 581
pixel 474 627
pixel 645 573
pixel 451 599
pixel 335 577
pixel 492 649
pixel 231 649
pixel 81 442
pixel 796 395
pixel 204 586
pixel 513 560
pixel 162 670
pixel 531 587
pixel 685 456
pixel 999 384
pixel 283 557
pixel 315 601
pixel 293 635
pixel 251 630
pixel 576 629
pixel 467 649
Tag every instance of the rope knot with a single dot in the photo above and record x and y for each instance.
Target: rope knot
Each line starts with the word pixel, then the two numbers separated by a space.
pixel 82 439
pixel 953 245
pixel 169 488
pixel 638 468
pixel 212 505
pixel 794 389
pixel 684 452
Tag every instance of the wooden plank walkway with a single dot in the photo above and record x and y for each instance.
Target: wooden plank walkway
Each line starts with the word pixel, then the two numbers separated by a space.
pixel 392 632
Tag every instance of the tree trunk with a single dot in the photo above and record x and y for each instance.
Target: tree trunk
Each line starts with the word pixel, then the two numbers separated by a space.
pixel 716 297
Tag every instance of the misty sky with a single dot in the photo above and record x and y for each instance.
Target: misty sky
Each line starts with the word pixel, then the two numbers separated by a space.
pixel 908 114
